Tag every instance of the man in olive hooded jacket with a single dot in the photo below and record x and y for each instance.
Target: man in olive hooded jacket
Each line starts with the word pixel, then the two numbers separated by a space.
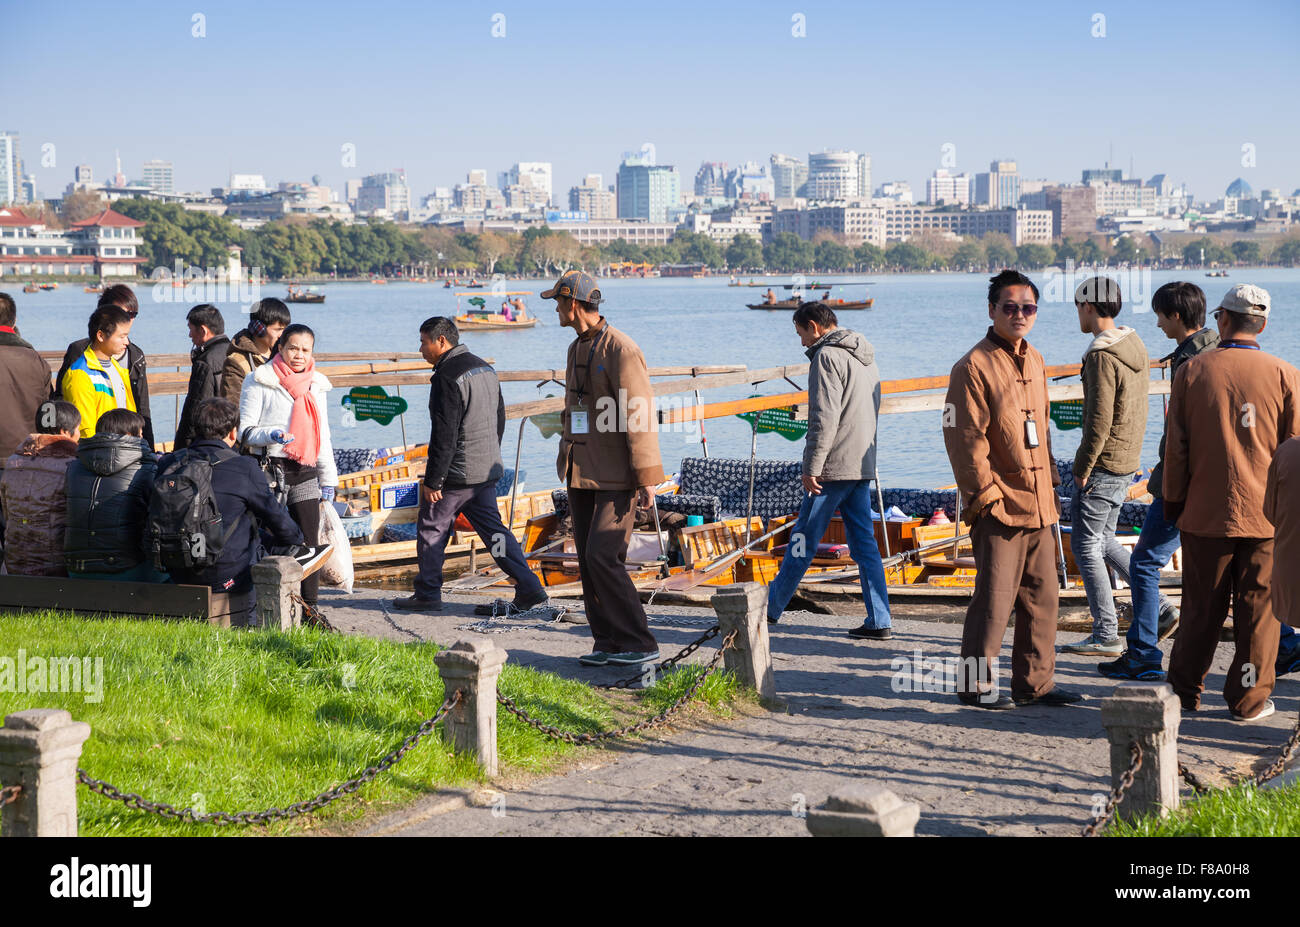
pixel 839 461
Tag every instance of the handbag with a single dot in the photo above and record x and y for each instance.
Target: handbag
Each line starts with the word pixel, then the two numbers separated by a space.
pixel 272 468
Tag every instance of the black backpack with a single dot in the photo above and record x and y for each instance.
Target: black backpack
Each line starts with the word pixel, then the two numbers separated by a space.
pixel 185 529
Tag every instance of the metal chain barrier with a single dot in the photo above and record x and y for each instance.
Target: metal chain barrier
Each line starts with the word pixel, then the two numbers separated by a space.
pixel 312 616
pixel 1199 785
pixel 666 664
pixel 547 615
pixel 164 810
pixel 569 737
pixel 1279 764
pixel 9 794
pixel 1117 794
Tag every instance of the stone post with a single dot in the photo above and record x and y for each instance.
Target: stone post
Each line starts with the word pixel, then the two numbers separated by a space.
pixel 276 581
pixel 1148 713
pixel 473 667
pixel 743 608
pixel 39 750
pixel 864 809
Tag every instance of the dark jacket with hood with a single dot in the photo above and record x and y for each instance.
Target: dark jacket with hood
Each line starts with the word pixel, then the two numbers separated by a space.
pixel 35 507
pixel 1199 343
pixel 843 402
pixel 136 371
pixel 109 486
pixel 207 364
pixel 469 417
pixel 25 382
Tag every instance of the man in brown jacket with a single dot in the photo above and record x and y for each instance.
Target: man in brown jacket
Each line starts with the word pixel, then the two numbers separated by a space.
pixel 609 458
pixel 24 381
pixel 1230 410
pixel 995 428
pixel 1282 508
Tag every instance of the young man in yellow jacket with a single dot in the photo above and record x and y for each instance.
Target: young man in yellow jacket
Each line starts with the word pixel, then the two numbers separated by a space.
pixel 95 383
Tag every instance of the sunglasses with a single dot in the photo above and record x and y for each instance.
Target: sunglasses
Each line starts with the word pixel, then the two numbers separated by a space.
pixel 1028 310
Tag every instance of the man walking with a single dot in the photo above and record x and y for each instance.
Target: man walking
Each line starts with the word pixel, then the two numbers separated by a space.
pixel 995 429
pixel 1282 508
pixel 609 460
pixel 1115 390
pixel 839 461
pixel 464 466
pixel 1180 313
pixel 1230 411
pixel 207 331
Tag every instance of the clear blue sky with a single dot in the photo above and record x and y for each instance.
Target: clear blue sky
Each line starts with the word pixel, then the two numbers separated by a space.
pixel 278 89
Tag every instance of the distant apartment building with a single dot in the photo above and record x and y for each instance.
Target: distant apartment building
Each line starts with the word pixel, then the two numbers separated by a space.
pixel 11 170
pixel 385 195
pixel 899 191
pixel 1074 210
pixel 633 232
pixel 853 225
pixel 591 197
pixel 945 188
pixel 839 175
pixel 1022 226
pixel 999 187
pixel 750 180
pixel 724 231
pixel 711 179
pixel 83 173
pixel 535 179
pixel 1118 197
pixel 157 175
pixel 1102 175
pixel 106 244
pixel 252 183
pixel 647 190
pixel 475 195
pixel 789 177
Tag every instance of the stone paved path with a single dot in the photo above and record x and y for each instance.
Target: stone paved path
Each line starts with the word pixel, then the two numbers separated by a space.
pixel 1029 771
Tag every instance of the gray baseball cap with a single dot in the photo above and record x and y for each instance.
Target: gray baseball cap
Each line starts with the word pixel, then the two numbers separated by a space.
pixel 1246 299
pixel 577 284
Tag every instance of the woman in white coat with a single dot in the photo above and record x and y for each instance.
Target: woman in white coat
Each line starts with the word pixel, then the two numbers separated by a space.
pixel 283 409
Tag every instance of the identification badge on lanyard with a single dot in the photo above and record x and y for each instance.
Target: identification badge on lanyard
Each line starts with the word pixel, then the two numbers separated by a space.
pixel 1031 432
pixel 578 422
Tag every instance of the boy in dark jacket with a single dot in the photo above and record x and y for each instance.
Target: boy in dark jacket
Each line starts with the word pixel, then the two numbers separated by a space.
pixel 207 362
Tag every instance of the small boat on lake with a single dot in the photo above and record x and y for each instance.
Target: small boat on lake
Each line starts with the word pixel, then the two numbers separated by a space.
pixel 478 317
pixel 794 302
pixel 299 294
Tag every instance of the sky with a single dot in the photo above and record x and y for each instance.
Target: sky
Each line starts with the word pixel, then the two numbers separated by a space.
pixel 280 89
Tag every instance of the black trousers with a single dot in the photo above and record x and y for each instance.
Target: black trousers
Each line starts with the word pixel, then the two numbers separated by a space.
pixel 307 516
pixel 602 527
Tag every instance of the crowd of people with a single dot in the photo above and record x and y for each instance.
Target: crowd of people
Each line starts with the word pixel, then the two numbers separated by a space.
pixel 84 494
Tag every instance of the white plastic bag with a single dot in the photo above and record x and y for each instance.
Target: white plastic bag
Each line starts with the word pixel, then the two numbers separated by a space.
pixel 337 571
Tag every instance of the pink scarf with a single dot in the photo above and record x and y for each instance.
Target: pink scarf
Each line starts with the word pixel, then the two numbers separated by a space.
pixel 304 422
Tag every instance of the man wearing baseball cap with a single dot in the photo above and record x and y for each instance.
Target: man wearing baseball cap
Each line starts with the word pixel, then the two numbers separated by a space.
pixel 1230 410
pixel 609 460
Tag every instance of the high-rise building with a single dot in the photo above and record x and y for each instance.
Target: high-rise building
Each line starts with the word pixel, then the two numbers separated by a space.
pixel 533 176
pixel 1073 209
pixel 864 176
pixel 157 175
pixel 945 188
pixel 750 180
pixel 477 176
pixel 1100 174
pixel 898 191
pixel 84 174
pixel 839 175
pixel 999 187
pixel 647 190
pixel 711 179
pixel 385 192
pixel 789 177
pixel 10 168
pixel 598 203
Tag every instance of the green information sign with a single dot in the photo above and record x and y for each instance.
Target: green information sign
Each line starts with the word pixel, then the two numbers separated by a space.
pixel 780 420
pixel 373 402
pixel 1067 414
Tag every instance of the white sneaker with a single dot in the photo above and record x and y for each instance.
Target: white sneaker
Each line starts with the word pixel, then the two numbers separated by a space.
pixel 1268 709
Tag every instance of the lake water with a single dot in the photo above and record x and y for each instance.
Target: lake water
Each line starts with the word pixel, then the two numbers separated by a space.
pixel 920 325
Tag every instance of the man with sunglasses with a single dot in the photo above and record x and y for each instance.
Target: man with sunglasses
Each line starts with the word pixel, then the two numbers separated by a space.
pixel 1230 410
pixel 133 359
pixel 995 428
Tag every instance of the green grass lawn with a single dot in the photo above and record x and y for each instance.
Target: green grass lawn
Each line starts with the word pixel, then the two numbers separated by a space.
pixel 236 720
pixel 1241 811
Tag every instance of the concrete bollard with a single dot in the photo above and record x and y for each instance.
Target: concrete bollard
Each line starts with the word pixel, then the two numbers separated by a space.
pixel 864 809
pixel 276 581
pixel 39 750
pixel 1148 713
pixel 473 667
pixel 743 608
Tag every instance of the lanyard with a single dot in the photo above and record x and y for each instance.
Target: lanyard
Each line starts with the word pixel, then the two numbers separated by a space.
pixel 581 387
pixel 1240 344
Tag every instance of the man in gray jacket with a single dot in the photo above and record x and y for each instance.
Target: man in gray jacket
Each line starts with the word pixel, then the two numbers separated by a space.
pixel 839 460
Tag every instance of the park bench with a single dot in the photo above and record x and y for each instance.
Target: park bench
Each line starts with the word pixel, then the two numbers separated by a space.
pixel 137 600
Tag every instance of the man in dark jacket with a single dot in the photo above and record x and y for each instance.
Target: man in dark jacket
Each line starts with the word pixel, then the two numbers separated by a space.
pixel 24 382
pixel 464 466
pixel 1180 314
pixel 120 295
pixel 242 495
pixel 207 361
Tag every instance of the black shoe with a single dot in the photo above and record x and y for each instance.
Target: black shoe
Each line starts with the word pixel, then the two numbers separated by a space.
pixel 311 558
pixel 865 633
pixel 976 700
pixel 1287 663
pixel 413 603
pixel 1126 667
pixel 1054 696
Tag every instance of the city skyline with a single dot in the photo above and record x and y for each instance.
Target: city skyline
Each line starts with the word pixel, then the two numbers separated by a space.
pixel 454 110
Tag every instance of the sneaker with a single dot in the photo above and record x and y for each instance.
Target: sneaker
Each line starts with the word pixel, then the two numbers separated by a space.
pixel 1268 709
pixel 311 558
pixel 632 657
pixel 1168 623
pixel 1128 668
pixel 1287 663
pixel 1091 647
pixel 413 603
pixel 1053 696
pixel 595 658
pixel 865 633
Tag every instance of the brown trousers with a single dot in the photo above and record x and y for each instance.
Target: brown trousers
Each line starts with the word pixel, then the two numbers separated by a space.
pixel 602 527
pixel 1016 572
pixel 1216 570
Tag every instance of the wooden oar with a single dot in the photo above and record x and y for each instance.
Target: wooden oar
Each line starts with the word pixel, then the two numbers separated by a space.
pixel 695 577
pixel 895 560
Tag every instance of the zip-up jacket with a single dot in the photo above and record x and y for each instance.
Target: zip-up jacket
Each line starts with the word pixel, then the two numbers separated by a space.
pixel 1202 341
pixel 469 418
pixel 88 386
pixel 109 486
pixel 35 506
pixel 206 368
pixel 1115 396
pixel 138 374
pixel 25 383
pixel 843 402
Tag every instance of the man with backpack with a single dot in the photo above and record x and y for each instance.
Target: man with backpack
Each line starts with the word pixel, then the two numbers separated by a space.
pixel 220 546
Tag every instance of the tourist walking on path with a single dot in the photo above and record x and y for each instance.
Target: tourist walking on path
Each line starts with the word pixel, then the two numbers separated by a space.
pixel 283 409
pixel 609 460
pixel 252 346
pixel 1116 386
pixel 995 429
pixel 468 417
pixel 1282 508
pixel 1230 410
pixel 96 382
pixel 131 359
pixel 1180 313
pixel 207 331
pixel 839 461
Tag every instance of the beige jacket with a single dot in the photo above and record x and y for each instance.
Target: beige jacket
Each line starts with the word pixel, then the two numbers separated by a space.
pixel 991 394
pixel 607 378
pixel 1282 508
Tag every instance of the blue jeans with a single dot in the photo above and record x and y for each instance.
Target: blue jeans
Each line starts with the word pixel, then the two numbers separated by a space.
pixel 1290 642
pixel 1094 515
pixel 853 499
pixel 1154 548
